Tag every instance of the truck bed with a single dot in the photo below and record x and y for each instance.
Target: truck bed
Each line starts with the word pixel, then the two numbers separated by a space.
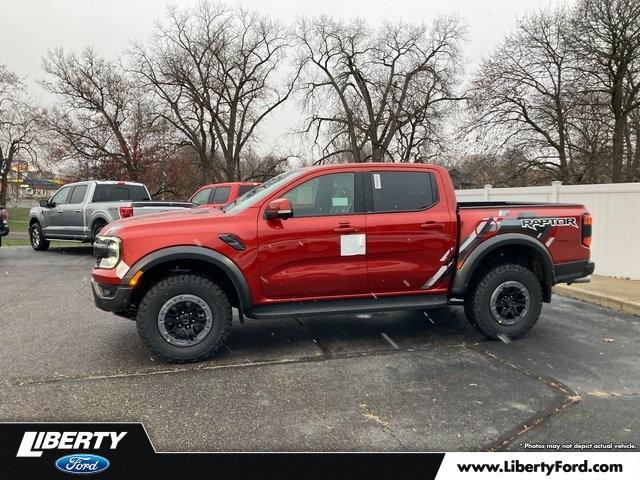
pixel 556 228
pixel 151 207
pixel 502 204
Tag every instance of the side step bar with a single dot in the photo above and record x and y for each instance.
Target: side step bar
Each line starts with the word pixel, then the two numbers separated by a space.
pixel 353 305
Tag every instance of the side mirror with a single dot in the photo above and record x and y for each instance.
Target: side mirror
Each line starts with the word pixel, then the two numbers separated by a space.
pixel 280 208
pixel 44 203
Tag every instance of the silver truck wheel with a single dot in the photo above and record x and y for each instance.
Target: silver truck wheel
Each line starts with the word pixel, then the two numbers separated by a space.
pixel 36 237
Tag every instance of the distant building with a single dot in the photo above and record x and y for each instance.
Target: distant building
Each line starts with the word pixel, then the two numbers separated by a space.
pixel 27 183
pixel 38 187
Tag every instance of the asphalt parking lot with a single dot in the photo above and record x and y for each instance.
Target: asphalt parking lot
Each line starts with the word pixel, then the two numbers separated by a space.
pixel 402 381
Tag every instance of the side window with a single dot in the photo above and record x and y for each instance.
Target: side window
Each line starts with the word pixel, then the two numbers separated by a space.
pixel 78 194
pixel 403 191
pixel 221 195
pixel 245 188
pixel 60 198
pixel 331 194
pixel 201 197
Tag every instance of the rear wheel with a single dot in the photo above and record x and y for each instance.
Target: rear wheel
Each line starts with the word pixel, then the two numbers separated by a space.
pixel 36 237
pixel 184 318
pixel 96 230
pixel 505 301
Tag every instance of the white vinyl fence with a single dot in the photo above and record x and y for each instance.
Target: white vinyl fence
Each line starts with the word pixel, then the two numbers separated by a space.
pixel 615 209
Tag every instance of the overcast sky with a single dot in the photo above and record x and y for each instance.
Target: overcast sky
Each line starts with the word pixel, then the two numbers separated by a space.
pixel 28 28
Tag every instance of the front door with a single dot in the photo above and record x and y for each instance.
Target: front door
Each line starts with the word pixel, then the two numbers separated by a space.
pixel 320 251
pixel 54 215
pixel 411 233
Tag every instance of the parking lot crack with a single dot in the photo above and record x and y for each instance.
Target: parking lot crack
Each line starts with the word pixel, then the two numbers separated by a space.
pixel 383 424
pixel 205 368
pixel 568 398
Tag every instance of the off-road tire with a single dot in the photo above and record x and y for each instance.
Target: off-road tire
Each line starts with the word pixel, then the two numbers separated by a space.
pixel 184 284
pixel 42 244
pixel 477 303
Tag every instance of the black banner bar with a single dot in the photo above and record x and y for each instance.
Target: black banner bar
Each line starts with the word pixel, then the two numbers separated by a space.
pixel 68 450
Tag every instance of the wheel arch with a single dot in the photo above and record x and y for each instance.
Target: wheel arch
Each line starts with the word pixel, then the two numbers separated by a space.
pixel 205 261
pixel 99 218
pixel 519 248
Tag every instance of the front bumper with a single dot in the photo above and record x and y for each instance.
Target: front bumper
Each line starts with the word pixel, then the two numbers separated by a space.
pixel 574 272
pixel 111 298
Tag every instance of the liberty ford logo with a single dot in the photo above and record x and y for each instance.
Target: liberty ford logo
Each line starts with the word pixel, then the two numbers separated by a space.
pixel 82 464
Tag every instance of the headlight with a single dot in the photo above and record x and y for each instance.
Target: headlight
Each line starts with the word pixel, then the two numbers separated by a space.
pixel 107 251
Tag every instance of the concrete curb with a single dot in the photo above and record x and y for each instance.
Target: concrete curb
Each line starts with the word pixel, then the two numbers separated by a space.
pixel 609 301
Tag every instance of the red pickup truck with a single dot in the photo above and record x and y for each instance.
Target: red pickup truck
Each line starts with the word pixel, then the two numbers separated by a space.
pixel 221 194
pixel 337 239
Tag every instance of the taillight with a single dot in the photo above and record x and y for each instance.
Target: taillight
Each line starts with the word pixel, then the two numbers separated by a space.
pixel 587 222
pixel 5 214
pixel 126 212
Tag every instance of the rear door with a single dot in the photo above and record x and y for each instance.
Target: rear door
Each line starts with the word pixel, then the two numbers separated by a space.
pixel 73 214
pixel 411 232
pixel 320 251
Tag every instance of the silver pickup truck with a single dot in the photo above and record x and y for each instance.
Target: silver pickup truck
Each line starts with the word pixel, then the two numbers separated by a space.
pixel 78 211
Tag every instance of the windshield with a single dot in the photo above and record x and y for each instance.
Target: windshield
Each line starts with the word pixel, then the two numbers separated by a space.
pixel 262 191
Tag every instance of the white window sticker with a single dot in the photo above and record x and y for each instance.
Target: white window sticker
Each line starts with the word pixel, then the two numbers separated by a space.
pixel 377 182
pixel 353 244
pixel 340 201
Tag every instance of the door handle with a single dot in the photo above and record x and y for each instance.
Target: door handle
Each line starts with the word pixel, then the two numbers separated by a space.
pixel 432 226
pixel 60 210
pixel 78 211
pixel 345 228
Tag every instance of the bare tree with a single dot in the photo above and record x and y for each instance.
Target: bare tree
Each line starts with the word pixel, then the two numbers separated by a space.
pixel 16 126
pixel 372 93
pixel 522 96
pixel 215 70
pixel 102 117
pixel 607 38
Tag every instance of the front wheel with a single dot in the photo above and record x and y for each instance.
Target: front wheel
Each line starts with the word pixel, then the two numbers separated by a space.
pixel 184 318
pixel 506 301
pixel 36 237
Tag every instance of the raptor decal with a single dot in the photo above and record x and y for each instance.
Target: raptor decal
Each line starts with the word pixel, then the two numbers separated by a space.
pixel 542 223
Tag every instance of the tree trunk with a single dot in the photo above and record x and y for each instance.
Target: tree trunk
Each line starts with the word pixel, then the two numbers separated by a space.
pixel 635 170
pixel 3 189
pixel 617 154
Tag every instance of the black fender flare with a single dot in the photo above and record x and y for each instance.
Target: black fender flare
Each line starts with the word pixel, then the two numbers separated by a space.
pixel 203 254
pixel 464 275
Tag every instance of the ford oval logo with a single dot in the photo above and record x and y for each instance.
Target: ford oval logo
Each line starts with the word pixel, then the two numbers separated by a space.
pixel 82 463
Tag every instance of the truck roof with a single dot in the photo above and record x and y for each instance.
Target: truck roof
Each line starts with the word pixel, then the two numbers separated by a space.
pixel 103 182
pixel 373 165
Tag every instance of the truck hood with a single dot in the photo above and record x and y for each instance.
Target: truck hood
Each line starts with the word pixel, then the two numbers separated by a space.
pixel 168 220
